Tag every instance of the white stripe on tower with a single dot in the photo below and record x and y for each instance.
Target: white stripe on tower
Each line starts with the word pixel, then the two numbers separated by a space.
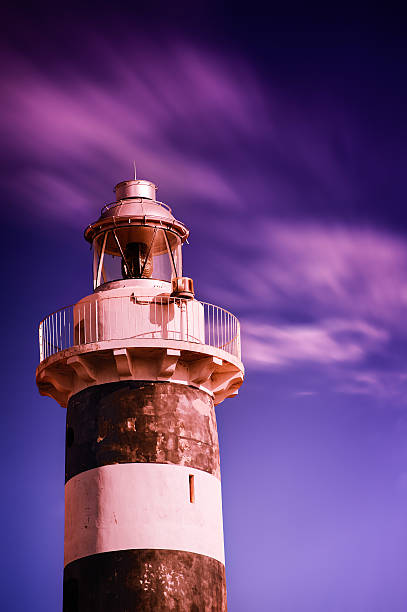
pixel 143 506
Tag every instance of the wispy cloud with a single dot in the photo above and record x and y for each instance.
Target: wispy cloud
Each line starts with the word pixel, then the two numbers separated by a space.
pixel 325 294
pixel 391 385
pixel 162 111
pixel 325 342
pixel 319 269
pixel 203 125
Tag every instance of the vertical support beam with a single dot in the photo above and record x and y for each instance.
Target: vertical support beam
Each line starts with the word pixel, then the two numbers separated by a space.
pixel 100 265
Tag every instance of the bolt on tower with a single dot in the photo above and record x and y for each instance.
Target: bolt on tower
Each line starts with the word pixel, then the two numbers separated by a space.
pixel 140 364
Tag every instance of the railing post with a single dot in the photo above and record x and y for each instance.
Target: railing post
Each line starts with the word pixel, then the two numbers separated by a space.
pixel 70 333
pixel 40 341
pixel 96 322
pixel 84 320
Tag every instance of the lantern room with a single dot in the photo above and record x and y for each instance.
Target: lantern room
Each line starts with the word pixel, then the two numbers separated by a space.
pixel 136 239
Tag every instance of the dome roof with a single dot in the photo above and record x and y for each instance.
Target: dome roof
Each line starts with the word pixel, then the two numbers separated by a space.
pixel 136 205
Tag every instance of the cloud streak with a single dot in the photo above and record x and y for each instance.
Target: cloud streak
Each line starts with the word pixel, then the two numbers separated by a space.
pixel 327 295
pixel 162 113
pixel 324 269
pixel 325 342
pixel 205 126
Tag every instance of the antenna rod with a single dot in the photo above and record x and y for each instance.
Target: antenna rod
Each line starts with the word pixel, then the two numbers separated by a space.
pixel 135 173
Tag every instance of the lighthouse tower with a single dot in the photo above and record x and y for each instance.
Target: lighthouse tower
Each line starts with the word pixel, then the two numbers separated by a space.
pixel 140 364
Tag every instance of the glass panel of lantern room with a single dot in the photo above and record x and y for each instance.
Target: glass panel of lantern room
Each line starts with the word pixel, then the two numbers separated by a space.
pixel 106 264
pixel 136 252
pixel 167 255
pixel 147 252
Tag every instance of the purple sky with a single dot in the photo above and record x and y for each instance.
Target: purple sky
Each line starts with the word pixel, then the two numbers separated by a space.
pixel 280 141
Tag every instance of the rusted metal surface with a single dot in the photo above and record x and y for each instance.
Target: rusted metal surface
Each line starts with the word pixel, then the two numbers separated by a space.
pixel 145 581
pixel 136 421
pixel 137 188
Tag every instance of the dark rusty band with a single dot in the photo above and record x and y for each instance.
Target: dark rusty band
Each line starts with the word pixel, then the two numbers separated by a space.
pixel 141 422
pixel 145 581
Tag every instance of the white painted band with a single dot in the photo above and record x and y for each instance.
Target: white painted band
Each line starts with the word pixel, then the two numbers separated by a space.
pixel 142 505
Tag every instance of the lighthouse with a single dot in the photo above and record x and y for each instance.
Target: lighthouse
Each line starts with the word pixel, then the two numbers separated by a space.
pixel 140 365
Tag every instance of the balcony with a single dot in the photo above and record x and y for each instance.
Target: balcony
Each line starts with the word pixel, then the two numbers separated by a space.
pixel 109 338
pixel 138 320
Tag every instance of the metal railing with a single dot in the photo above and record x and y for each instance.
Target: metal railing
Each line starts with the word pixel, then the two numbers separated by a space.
pixel 124 317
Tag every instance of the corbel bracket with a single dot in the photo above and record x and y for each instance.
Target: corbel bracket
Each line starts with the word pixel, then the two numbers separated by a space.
pixel 202 369
pixel 167 363
pixel 82 369
pixel 123 363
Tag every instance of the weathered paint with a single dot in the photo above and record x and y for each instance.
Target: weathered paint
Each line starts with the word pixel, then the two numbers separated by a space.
pixel 131 447
pixel 143 505
pixel 146 422
pixel 145 581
